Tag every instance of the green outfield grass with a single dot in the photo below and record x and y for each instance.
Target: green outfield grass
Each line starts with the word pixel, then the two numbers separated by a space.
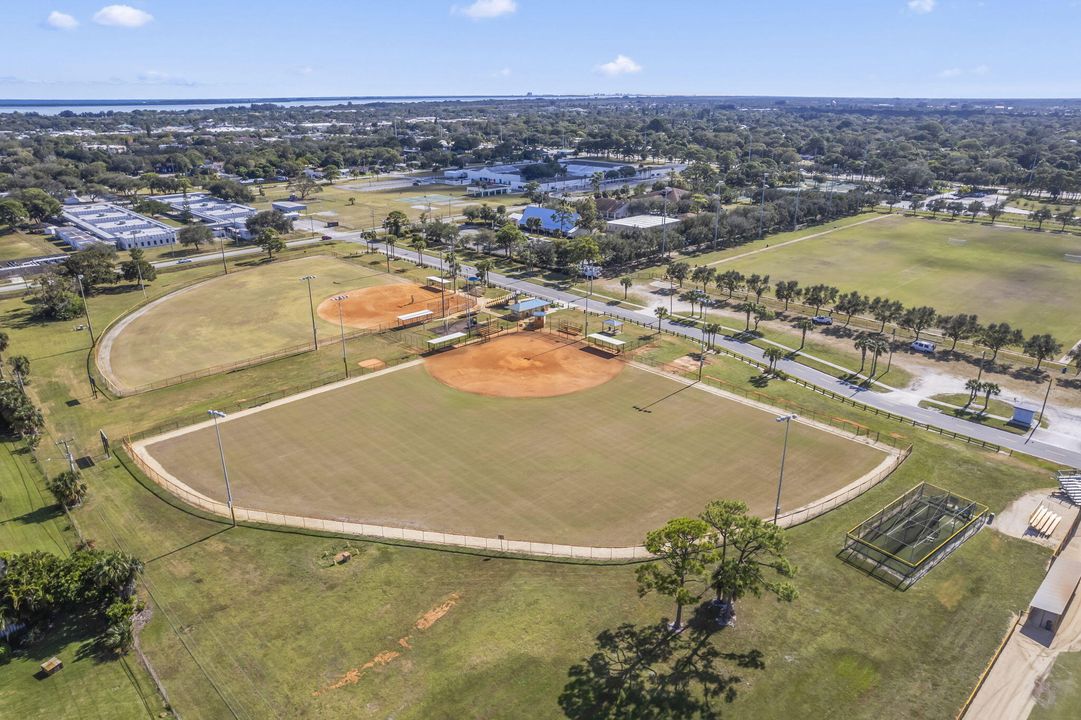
pixel 1003 275
pixel 406 450
pixel 1060 695
pixel 232 318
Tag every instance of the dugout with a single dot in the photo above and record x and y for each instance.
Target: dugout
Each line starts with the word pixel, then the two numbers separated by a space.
pixel 903 541
pixel 1054 594
pixel 606 343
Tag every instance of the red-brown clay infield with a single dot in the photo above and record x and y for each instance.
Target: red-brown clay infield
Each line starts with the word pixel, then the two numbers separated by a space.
pixel 523 365
pixel 380 306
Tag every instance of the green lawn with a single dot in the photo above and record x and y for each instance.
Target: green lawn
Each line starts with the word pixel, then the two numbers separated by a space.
pixel 230 319
pixel 249 619
pixel 1060 696
pixel 419 464
pixel 16 245
pixel 374 205
pixel 1003 275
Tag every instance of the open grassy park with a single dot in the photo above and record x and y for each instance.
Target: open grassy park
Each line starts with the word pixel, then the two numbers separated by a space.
pixel 370 206
pixel 1001 274
pixel 254 622
pixel 17 245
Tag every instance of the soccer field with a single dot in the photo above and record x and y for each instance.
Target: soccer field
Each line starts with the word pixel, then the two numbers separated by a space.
pixel 588 468
pixel 1001 274
pixel 228 319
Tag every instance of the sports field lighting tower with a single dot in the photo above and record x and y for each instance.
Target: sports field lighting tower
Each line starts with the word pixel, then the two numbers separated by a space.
pixel 341 324
pixel 787 420
pixel 86 311
pixel 218 415
pixel 311 304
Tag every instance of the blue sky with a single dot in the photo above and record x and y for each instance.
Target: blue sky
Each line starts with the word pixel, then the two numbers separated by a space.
pixel 229 48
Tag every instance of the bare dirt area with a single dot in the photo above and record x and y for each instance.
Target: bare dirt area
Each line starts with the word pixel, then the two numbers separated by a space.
pixel 523 365
pixel 1014 520
pixel 380 307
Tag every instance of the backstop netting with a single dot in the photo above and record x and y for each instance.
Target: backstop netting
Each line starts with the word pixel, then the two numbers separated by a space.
pixel 902 542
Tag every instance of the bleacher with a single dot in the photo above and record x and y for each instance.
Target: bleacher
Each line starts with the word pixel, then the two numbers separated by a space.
pixel 1070 483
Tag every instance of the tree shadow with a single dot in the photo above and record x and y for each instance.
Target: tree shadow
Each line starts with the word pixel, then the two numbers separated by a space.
pixel 647 672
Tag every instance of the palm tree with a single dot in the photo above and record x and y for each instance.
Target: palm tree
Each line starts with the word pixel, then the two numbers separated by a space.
pixel 973 387
pixel 804 324
pixel 661 313
pixel 711 332
pixel 626 281
pixel 989 389
pixel 116 571
pixel 863 344
pixel 747 308
pixel 68 488
pixel 772 355
pixel 419 244
pixel 878 345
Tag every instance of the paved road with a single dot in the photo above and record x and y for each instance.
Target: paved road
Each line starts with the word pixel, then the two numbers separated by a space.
pixel 1070 456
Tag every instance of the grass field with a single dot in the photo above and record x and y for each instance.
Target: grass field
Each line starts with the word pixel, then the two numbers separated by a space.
pixel 588 468
pixel 1060 698
pixel 1003 275
pixel 370 207
pixel 232 318
pixel 16 245
pixel 248 623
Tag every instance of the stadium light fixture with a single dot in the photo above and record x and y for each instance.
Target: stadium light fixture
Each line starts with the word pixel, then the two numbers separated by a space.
pixel 341 324
pixel 311 304
pixel 787 420
pixel 217 415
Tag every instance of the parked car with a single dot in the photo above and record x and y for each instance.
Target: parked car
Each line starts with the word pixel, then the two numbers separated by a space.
pixel 822 320
pixel 327 237
pixel 183 261
pixel 923 346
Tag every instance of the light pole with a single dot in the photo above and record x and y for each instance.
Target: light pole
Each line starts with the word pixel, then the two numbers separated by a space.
pixel 221 244
pixel 787 420
pixel 1039 418
pixel 311 304
pixel 762 206
pixel 86 311
pixel 218 414
pixel 341 324
pixel 138 266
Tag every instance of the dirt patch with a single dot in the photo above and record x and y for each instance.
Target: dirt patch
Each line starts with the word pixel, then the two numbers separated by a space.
pixel 372 364
pixel 353 676
pixel 1013 521
pixel 523 365
pixel 432 616
pixel 379 307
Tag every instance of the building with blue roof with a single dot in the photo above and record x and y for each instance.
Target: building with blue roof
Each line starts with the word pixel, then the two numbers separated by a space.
pixel 551 221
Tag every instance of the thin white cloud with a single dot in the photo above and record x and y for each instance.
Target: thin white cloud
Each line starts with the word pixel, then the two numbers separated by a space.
pixel 502 72
pixel 122 16
pixel 956 72
pixel 622 65
pixel 61 21
pixel 154 77
pixel 485 9
pixel 921 7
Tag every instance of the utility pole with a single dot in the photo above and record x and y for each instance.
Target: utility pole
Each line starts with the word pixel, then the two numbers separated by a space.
pixel 86 311
pixel 762 206
pixel 717 214
pixel 311 305
pixel 341 325
pixel 221 244
pixel 1039 418
pixel 799 186
pixel 67 453
pixel 787 420
pixel 216 414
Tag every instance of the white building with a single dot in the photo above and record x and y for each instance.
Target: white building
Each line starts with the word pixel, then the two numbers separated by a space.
pixel 578 175
pixel 642 222
pixel 224 218
pixel 113 224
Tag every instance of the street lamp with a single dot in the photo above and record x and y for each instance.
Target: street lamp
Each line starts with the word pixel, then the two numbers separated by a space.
pixel 311 304
pixel 221 244
pixel 341 324
pixel 787 420
pixel 216 415
pixel 86 311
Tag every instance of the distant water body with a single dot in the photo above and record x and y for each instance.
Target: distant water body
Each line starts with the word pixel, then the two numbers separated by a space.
pixel 55 107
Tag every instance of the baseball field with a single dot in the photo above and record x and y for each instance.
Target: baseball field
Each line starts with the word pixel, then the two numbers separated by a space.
pixel 244 315
pixel 1008 275
pixel 467 442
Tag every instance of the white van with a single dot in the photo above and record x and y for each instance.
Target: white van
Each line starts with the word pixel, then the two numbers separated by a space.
pixel 923 346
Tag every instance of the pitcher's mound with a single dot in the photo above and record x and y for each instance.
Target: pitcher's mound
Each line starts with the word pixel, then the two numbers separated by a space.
pixel 523 365
pixel 379 307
